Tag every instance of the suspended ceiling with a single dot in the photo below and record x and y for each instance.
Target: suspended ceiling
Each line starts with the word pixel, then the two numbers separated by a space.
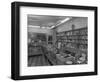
pixel 44 21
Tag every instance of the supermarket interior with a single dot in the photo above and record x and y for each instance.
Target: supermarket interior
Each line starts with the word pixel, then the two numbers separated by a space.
pixel 57 40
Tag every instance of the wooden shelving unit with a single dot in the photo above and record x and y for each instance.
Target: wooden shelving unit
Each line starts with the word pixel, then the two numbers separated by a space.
pixel 77 38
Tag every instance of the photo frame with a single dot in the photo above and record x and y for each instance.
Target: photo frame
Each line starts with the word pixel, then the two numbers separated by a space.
pixel 40 28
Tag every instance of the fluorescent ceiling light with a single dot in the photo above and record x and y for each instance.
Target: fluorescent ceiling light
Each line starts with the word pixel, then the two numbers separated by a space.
pixel 63 21
pixel 52 26
pixel 33 26
pixel 66 19
pixel 45 27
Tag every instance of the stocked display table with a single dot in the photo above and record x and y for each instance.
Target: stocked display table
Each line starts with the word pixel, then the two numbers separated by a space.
pixel 71 56
pixel 64 61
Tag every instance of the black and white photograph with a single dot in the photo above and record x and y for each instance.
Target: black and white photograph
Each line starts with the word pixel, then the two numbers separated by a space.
pixel 57 40
pixel 53 40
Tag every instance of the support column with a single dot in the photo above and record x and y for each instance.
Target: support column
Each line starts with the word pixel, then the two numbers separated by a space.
pixel 54 37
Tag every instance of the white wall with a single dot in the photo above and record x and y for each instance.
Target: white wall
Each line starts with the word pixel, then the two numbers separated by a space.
pixel 78 22
pixel 5 41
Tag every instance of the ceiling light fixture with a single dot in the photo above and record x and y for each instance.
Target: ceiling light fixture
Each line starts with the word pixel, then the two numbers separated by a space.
pixel 66 19
pixel 33 26
pixel 63 21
